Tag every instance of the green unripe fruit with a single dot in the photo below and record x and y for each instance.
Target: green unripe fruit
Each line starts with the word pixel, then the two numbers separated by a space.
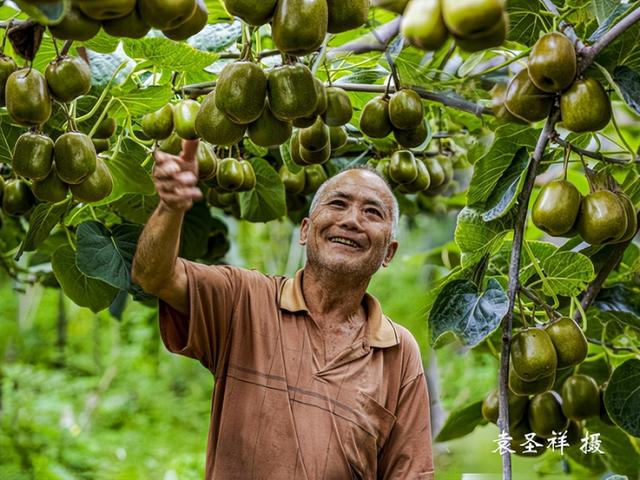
pixel 96 186
pixel 493 37
pixel 106 9
pixel 498 93
pixel 293 182
pixel 300 26
pixel 338 137
pixel 230 176
pixel 241 91
pixel 33 155
pixel 321 92
pixel 171 144
pixel 316 136
pixel 545 415
pixel 75 26
pixel 7 67
pixel 194 24
pixel 101 144
pixel 316 157
pixel 213 125
pixel 252 12
pixel 249 181
pixel 345 16
pixel 50 189
pixel 569 341
pixel 406 111
pixel 602 218
pixel 467 18
pixel 412 138
pixel 526 101
pixel 580 397
pixel 632 218
pixel 403 167
pixel 556 209
pixel 17 198
pixel 184 119
pixel 129 26
pixel 423 26
pixel 491 407
pixel 522 387
pixel 68 78
pixel 552 62
pixel 75 157
pixel 207 161
pixel 422 181
pixel 436 172
pixel 532 354
pixel 585 106
pixel 292 92
pixel 374 121
pixel 315 176
pixel 27 97
pixel 339 109
pixel 166 14
pixel 268 130
pixel 106 129
pixel 294 147
pixel 159 124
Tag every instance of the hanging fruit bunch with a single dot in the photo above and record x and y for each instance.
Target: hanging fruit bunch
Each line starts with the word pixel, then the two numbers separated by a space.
pixel 474 24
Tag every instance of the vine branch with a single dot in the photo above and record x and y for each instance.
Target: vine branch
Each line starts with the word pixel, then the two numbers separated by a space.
pixel 555 138
pixel 588 56
pixel 377 40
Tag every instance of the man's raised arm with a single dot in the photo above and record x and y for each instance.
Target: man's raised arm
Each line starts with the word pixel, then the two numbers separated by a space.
pixel 155 266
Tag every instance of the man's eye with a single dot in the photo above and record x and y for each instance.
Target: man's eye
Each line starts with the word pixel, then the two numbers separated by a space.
pixel 338 203
pixel 374 212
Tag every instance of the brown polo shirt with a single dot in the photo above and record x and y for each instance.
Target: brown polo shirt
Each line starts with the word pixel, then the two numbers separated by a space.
pixel 280 412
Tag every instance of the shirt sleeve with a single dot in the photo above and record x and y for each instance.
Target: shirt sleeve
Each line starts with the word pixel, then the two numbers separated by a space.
pixel 407 453
pixel 202 334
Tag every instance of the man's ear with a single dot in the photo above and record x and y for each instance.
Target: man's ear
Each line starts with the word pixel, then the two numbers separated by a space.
pixel 304 230
pixel 391 251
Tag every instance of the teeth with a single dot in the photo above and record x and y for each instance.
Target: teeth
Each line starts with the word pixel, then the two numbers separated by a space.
pixel 345 241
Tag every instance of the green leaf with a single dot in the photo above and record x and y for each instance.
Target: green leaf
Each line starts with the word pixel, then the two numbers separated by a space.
pixel 506 191
pixel 136 208
pixel 43 218
pixel 461 422
pixel 266 202
pixel 625 50
pixel 128 174
pixel 218 37
pixel 45 13
pixel 470 315
pixel 488 170
pixel 525 21
pixel 83 290
pixel 603 9
pixel 102 43
pixel 195 231
pixel 620 451
pixel 619 303
pixel 567 273
pixel 622 396
pixel 167 54
pixel 136 101
pixel 541 251
pixel 477 238
pixel 8 137
pixel 107 254
pixel 629 82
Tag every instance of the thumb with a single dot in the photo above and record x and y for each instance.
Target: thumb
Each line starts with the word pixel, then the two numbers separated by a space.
pixel 189 149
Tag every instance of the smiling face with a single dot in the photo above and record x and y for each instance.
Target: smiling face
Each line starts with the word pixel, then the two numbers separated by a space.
pixel 350 230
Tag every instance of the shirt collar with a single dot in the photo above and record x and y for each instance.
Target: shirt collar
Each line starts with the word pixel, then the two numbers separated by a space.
pixel 382 332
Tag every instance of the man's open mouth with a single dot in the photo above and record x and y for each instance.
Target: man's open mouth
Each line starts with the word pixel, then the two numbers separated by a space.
pixel 345 241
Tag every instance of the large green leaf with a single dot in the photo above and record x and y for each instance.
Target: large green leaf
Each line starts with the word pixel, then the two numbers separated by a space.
pixel 8 136
pixel 477 238
pixel 136 101
pixel 506 191
pixel 167 54
pixel 526 22
pixel 628 81
pixel 621 454
pixel 461 422
pixel 102 43
pixel 266 202
pixel 620 304
pixel 491 167
pixel 83 290
pixel 136 208
pixel 107 254
pixel 625 50
pixel 567 273
pixel 195 231
pixel 469 314
pixel 622 396
pixel 43 218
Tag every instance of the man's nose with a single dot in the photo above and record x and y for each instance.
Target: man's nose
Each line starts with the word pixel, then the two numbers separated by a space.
pixel 351 218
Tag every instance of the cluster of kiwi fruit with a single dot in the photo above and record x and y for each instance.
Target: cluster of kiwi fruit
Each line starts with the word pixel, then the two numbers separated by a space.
pixel 177 19
pixel 306 181
pixel 550 414
pixel 474 24
pixel 537 356
pixel 71 162
pixel 601 217
pixel 300 26
pixel 401 113
pixel 552 70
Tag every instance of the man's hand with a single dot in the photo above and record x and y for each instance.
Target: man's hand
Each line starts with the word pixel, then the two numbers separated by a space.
pixel 176 177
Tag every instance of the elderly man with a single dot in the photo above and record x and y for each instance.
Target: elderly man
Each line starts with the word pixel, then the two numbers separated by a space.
pixel 313 381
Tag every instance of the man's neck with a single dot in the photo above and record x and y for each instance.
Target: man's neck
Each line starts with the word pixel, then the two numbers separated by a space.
pixel 328 294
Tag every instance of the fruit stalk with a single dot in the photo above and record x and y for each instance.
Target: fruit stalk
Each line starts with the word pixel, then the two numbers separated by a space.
pixel 588 153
